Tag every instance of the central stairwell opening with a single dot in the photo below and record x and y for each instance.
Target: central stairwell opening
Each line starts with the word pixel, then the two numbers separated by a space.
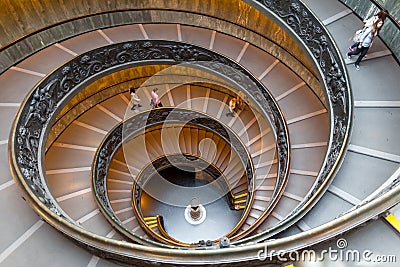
pixel 188 183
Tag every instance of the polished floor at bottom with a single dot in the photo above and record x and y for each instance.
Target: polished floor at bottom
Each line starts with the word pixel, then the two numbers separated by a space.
pixel 218 218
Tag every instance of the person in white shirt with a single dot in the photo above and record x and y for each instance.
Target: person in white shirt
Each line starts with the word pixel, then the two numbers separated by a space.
pixel 135 100
pixel 368 23
pixel 366 42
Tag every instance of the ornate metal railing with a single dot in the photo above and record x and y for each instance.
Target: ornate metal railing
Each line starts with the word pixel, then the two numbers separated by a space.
pixel 102 17
pixel 134 125
pixel 41 107
pixel 317 41
pixel 35 116
pixel 219 182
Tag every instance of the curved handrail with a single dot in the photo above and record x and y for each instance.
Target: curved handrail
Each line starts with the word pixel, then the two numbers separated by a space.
pixel 41 108
pixel 153 166
pixel 282 144
pixel 92 98
pixel 315 39
pixel 174 159
pixel 161 228
pixel 127 129
pixel 164 237
pixel 274 197
pixel 209 168
pixel 324 53
pixel 39 39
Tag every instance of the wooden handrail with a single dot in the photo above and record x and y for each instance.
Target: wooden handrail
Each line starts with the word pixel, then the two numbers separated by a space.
pixel 157 221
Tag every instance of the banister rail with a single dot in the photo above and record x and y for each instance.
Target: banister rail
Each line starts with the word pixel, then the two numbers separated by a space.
pixel 155 165
pixel 40 109
pixel 159 222
pixel 146 120
pixel 16 50
pixel 294 17
pixel 315 39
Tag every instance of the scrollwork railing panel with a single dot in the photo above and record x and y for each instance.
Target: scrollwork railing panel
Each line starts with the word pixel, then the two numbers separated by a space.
pixel 45 101
pixel 148 119
pixel 315 38
pixel 295 17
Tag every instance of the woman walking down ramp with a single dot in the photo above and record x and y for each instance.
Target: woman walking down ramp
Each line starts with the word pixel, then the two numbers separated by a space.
pixel 135 100
pixel 365 42
pixel 381 15
pixel 155 100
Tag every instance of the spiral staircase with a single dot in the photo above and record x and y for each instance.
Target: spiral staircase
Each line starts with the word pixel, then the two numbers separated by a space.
pixel 304 161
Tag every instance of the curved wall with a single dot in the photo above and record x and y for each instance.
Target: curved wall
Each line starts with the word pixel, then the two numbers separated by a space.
pixel 50 21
